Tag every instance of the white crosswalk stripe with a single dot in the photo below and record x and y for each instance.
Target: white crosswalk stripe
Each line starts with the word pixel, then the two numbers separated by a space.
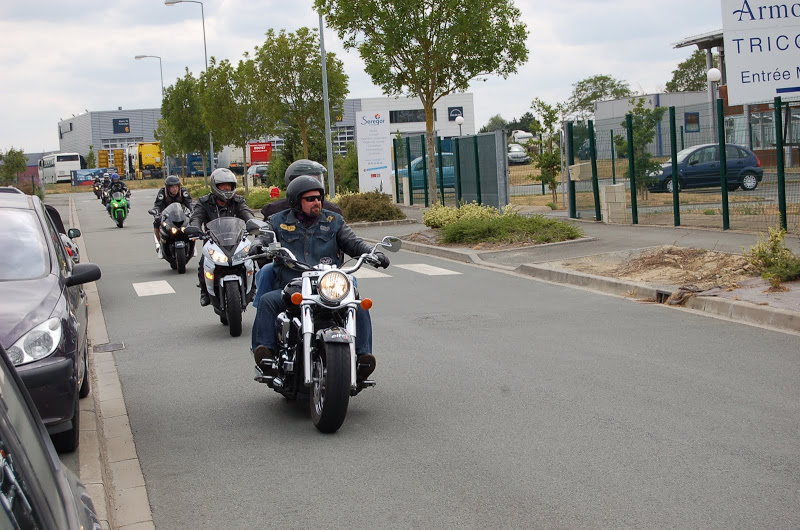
pixel 153 288
pixel 428 270
pixel 369 273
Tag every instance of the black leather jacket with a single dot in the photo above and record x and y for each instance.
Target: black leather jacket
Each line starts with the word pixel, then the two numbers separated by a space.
pixel 206 209
pixel 163 199
pixel 118 186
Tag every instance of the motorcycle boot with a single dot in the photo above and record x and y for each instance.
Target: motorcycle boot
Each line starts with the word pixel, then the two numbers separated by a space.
pixel 264 359
pixel 204 298
pixel 365 365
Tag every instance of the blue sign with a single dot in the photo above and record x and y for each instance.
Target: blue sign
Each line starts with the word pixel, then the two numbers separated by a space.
pixel 454 112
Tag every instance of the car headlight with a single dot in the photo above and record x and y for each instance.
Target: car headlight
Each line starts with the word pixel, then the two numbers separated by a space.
pixel 36 344
pixel 333 286
pixel 218 257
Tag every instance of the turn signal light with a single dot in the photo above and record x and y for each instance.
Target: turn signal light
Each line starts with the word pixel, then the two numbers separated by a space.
pixel 366 304
pixel 297 298
pixel 210 275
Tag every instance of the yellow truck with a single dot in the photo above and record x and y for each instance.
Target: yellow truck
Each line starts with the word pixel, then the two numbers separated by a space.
pixel 144 160
pixel 111 158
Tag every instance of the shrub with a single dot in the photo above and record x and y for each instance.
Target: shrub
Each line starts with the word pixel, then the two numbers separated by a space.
pixel 552 205
pixel 370 206
pixel 510 228
pixel 439 216
pixel 258 197
pixel 773 260
pixel 26 187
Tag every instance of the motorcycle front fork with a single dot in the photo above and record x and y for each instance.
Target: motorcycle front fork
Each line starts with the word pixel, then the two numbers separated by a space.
pixel 308 337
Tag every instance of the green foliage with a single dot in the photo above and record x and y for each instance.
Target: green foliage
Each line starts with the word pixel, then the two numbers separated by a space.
pixel 28 188
pixel 345 169
pixel 277 169
pixel 12 163
pixel 552 205
pixel 258 197
pixel 91 158
pixel 439 216
pixel 549 159
pixel 690 76
pixel 182 116
pixel 645 122
pixel 429 49
pixel 773 259
pixel 709 211
pixel 369 206
pixel 510 229
pixel 496 123
pixel 595 88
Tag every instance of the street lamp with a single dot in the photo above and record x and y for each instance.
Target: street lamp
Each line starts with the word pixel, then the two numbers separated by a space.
pixel 713 76
pixel 205 51
pixel 459 122
pixel 159 68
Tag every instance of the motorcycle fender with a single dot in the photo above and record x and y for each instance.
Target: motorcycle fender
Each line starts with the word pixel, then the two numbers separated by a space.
pixel 334 334
pixel 180 244
pixel 231 278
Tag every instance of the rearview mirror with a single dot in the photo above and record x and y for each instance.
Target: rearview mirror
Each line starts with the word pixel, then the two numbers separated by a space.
pixel 193 231
pixel 254 225
pixel 153 212
pixel 72 233
pixel 391 243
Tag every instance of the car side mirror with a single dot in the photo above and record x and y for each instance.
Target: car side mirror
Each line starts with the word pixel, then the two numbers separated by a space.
pixel 83 273
pixel 693 162
pixel 72 233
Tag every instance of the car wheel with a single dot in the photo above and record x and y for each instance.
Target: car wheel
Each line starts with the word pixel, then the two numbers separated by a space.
pixel 668 185
pixel 67 441
pixel 749 181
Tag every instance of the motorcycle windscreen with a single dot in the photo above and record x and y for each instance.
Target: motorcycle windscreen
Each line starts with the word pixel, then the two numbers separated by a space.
pixel 226 232
pixel 174 214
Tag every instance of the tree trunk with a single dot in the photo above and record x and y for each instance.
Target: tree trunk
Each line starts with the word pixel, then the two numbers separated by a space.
pixel 431 150
pixel 244 169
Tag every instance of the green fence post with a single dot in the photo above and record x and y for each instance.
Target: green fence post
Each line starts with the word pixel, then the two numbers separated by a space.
pixel 571 201
pixel 723 163
pixel 682 142
pixel 424 166
pixel 780 162
pixel 396 172
pixel 613 160
pixel 439 167
pixel 632 168
pixel 457 154
pixel 541 146
pixel 477 170
pixel 676 203
pixel 598 215
pixel 408 172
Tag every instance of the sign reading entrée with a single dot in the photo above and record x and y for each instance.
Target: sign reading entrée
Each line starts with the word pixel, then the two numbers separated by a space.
pixel 762 50
pixel 374 151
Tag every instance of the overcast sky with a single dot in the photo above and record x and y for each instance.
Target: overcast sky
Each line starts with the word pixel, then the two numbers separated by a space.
pixel 59 58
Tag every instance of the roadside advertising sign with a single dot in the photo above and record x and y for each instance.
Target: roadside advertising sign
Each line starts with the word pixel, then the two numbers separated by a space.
pixel 762 50
pixel 374 146
pixel 260 152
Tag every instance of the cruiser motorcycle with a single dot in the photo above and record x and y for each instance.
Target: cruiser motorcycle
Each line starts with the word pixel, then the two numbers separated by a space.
pixel 228 269
pixel 176 246
pixel 316 343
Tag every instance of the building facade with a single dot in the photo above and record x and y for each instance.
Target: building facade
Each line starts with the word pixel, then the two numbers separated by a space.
pixel 112 129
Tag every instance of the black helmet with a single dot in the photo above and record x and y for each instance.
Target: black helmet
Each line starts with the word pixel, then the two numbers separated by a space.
pixel 304 167
pixel 223 175
pixel 301 185
pixel 172 180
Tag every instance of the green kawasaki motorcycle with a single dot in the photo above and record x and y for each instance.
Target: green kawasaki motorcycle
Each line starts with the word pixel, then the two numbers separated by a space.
pixel 118 207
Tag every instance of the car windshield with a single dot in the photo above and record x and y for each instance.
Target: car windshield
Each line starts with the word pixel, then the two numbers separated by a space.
pixel 683 154
pixel 516 149
pixel 26 256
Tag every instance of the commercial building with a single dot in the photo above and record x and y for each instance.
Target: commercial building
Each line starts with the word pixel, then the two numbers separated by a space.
pixel 112 129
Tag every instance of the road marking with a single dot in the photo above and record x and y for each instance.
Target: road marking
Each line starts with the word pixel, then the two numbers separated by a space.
pixel 153 288
pixel 369 273
pixel 429 270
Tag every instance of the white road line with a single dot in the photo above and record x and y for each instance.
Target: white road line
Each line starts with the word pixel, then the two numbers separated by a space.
pixel 429 270
pixel 153 288
pixel 369 273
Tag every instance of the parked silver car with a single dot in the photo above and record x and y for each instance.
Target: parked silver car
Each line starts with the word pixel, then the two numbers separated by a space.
pixel 517 154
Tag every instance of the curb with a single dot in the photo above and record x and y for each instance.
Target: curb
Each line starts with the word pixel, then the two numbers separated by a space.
pixel 109 465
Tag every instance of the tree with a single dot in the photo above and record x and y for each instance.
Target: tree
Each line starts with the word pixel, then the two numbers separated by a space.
pixel 232 105
pixel 290 79
pixel 496 123
pixel 645 122
pixel 430 48
pixel 169 144
pixel 91 159
pixel 346 169
pixel 180 110
pixel 690 76
pixel 12 163
pixel 595 88
pixel 526 122
pixel 549 159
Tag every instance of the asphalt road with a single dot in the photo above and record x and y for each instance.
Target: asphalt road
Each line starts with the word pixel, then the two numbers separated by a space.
pixel 502 401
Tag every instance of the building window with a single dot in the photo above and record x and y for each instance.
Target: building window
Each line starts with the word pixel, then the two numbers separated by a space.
pixel 691 122
pixel 409 116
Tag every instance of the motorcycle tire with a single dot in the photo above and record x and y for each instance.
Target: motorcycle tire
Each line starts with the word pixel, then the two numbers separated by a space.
pixel 120 221
pixel 233 308
pixel 330 393
pixel 180 260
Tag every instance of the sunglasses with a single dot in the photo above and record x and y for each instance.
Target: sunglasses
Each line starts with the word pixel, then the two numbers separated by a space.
pixel 313 198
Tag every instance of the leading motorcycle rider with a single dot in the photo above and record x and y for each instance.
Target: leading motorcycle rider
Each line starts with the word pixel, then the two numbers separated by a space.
pixel 171 192
pixel 117 186
pixel 221 202
pixel 314 235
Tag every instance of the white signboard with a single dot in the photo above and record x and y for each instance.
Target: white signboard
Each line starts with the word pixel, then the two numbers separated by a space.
pixel 762 50
pixel 374 152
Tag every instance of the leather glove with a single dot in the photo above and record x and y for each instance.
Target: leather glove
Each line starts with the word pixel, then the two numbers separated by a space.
pixel 383 261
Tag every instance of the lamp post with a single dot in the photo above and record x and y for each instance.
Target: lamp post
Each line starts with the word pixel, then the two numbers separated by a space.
pixel 713 76
pixel 205 51
pixel 161 70
pixel 328 146
pixel 459 122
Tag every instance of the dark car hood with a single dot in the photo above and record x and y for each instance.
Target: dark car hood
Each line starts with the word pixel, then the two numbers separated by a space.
pixel 26 303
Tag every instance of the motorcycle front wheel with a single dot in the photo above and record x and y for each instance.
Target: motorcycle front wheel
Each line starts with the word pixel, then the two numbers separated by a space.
pixel 120 219
pixel 180 259
pixel 330 391
pixel 233 308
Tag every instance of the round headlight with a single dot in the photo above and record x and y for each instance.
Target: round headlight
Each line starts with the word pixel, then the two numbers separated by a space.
pixel 333 286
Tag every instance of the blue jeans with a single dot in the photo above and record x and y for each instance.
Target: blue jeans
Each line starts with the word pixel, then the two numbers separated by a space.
pixel 271 303
pixel 265 281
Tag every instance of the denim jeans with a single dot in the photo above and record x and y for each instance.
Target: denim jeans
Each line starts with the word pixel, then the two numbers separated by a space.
pixel 265 281
pixel 271 303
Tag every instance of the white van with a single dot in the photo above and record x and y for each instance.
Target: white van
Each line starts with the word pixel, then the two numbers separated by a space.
pixel 521 137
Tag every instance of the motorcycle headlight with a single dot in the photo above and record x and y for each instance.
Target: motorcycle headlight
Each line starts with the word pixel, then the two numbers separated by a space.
pixel 333 286
pixel 218 257
pixel 36 344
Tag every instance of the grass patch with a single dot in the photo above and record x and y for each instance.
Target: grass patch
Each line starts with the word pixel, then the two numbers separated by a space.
pixel 511 229
pixel 709 212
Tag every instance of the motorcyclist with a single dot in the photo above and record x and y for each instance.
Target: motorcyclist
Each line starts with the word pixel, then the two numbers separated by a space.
pixel 221 202
pixel 265 278
pixel 171 192
pixel 117 186
pixel 315 235
pixel 106 181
